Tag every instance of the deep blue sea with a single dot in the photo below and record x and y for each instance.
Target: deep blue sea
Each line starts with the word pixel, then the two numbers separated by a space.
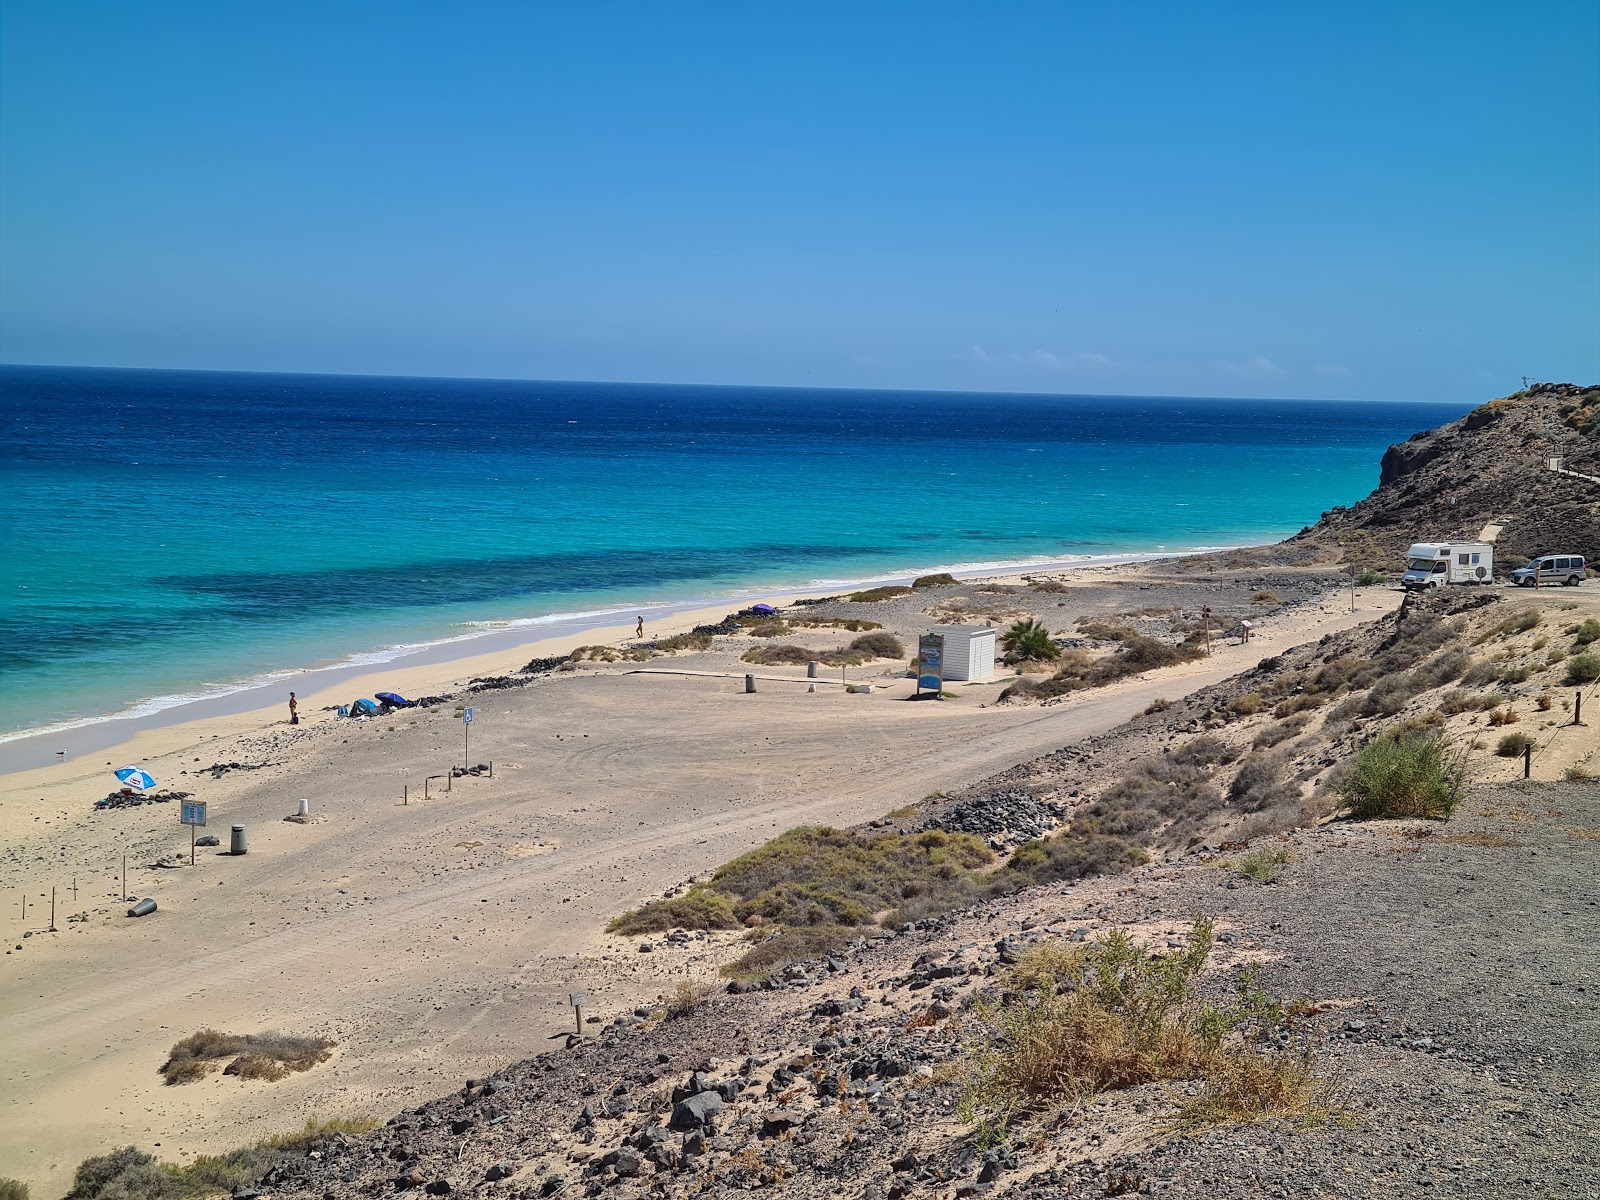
pixel 172 533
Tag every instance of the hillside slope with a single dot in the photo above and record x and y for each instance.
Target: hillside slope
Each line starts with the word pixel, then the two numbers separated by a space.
pixel 1489 467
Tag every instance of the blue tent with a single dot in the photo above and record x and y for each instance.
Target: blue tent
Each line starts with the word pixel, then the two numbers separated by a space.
pixel 394 700
pixel 364 708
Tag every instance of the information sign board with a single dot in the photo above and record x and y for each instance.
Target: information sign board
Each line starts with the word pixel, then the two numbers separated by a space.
pixel 930 663
pixel 193 812
pixel 467 716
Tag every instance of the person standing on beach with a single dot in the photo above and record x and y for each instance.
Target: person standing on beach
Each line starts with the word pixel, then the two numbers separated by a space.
pixel 294 710
pixel 639 632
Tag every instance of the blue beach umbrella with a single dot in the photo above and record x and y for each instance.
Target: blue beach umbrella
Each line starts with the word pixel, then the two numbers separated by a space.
pixel 134 777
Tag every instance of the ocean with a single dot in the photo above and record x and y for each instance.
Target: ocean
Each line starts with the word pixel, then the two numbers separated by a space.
pixel 171 534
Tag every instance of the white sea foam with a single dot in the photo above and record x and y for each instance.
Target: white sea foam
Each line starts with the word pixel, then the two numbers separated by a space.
pixel 579 619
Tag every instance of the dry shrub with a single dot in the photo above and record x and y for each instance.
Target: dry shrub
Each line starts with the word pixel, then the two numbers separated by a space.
pixel 682 641
pixel 942 579
pixel 1545 702
pixel 1582 669
pixel 12 1189
pixel 1254 1085
pixel 698 908
pixel 1282 731
pixel 1052 586
pixel 1489 841
pixel 255 1056
pixel 257 1066
pixel 770 630
pixel 776 656
pixel 1460 700
pixel 1504 716
pixel 1110 1014
pixel 1265 598
pixel 1246 705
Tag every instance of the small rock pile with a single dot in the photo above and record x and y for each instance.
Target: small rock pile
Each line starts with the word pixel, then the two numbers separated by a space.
pixel 1003 819
pixel 135 799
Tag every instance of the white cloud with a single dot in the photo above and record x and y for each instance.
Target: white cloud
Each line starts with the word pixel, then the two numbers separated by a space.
pixel 1090 359
pixel 1259 365
pixel 1337 370
pixel 979 354
pixel 1043 358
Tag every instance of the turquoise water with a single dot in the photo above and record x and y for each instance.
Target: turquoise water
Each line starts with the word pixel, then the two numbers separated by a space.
pixel 175 533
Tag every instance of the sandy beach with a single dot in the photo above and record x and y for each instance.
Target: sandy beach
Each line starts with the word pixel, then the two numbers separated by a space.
pixel 440 937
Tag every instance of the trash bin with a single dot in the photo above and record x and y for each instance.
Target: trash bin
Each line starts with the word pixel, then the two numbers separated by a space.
pixel 236 844
pixel 142 909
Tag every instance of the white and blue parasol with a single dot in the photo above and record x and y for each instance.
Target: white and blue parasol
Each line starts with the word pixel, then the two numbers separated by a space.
pixel 135 777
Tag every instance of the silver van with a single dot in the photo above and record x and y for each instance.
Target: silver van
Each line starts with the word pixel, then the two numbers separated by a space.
pixel 1565 569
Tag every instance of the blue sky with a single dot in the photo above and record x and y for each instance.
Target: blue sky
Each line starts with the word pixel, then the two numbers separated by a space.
pixel 1385 201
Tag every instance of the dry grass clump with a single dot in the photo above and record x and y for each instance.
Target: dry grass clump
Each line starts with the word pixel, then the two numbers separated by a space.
pixel 687 997
pixel 1110 1014
pixel 877 645
pixel 1461 700
pixel 1135 655
pixel 1504 716
pixel 1247 705
pixel 608 654
pixel 1405 772
pixel 1051 586
pixel 1265 598
pixel 863 649
pixel 777 656
pixel 269 1056
pixel 1281 731
pixel 13 1189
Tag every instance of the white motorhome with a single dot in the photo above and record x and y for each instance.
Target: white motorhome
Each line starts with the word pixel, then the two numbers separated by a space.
pixel 1434 564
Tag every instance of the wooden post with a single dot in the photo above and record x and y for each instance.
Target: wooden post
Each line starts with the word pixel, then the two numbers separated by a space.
pixel 191 845
pixel 52 910
pixel 74 889
pixel 1527 761
pixel 1577 707
pixel 124 878
pixel 405 793
pixel 1352 587
pixel 491 768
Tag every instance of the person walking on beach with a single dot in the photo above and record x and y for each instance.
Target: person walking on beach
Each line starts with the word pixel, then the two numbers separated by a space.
pixel 639 632
pixel 294 710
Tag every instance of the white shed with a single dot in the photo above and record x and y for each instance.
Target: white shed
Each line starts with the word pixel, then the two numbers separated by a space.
pixel 968 651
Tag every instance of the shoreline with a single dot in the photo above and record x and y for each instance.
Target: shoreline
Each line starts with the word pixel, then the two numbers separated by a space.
pixel 430 665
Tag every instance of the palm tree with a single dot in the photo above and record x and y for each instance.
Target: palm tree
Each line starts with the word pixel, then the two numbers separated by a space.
pixel 1027 639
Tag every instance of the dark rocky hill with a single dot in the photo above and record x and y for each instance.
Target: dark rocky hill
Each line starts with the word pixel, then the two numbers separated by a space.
pixel 1487 468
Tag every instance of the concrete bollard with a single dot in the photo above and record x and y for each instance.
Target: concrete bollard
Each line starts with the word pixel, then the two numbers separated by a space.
pixel 236 843
pixel 749 683
pixel 305 808
pixel 811 670
pixel 811 689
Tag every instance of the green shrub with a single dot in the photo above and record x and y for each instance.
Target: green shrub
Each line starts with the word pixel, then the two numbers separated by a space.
pixel 942 579
pixel 1264 865
pixel 1028 639
pixel 1516 623
pixel 1051 586
pixel 1513 745
pixel 13 1189
pixel 1582 669
pixel 1404 773
pixel 877 645
pixel 698 908
pixel 1587 632
pixel 873 595
pixel 1371 578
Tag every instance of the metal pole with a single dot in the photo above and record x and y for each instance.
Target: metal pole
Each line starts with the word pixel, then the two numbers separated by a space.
pixel 1527 761
pixel 466 735
pixel 578 1008
pixel 191 845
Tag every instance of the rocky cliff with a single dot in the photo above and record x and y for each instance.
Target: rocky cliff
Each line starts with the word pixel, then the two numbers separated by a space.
pixel 1489 468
